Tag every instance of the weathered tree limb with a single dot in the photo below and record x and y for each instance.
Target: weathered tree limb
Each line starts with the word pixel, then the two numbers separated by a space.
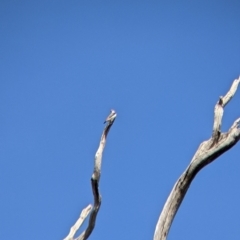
pixel 79 222
pixel 231 92
pixel 207 152
pixel 95 189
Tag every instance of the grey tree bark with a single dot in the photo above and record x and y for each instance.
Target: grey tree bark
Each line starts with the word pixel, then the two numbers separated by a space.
pixel 207 152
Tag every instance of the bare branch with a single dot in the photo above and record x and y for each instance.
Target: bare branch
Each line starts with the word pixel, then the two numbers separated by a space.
pixel 79 222
pixel 218 111
pixel 95 186
pixel 93 215
pixel 231 92
pixel 98 155
pixel 207 152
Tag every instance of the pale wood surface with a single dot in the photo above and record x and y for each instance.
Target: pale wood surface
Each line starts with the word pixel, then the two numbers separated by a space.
pixel 207 152
pixel 93 210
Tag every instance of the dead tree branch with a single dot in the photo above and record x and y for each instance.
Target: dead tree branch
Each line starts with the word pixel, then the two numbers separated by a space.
pixel 95 188
pixel 207 152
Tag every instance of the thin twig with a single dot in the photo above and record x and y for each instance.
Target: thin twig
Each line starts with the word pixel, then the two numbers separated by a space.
pixel 79 222
pixel 231 92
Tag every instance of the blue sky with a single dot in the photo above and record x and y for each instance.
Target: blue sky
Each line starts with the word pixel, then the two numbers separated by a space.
pixel 162 66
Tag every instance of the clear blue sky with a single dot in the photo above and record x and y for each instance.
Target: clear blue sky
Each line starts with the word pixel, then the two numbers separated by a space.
pixel 162 66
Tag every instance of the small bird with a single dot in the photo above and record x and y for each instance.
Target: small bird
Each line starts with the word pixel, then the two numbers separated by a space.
pixel 111 116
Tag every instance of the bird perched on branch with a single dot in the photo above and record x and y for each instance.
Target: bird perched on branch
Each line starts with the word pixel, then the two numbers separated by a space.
pixel 111 116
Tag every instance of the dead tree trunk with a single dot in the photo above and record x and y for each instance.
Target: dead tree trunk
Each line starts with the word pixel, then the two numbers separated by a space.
pixel 207 152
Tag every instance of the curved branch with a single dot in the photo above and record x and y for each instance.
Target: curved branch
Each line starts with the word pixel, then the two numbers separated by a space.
pixel 207 152
pixel 95 189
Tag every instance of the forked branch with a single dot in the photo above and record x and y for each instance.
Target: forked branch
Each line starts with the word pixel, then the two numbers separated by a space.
pixel 207 152
pixel 95 189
